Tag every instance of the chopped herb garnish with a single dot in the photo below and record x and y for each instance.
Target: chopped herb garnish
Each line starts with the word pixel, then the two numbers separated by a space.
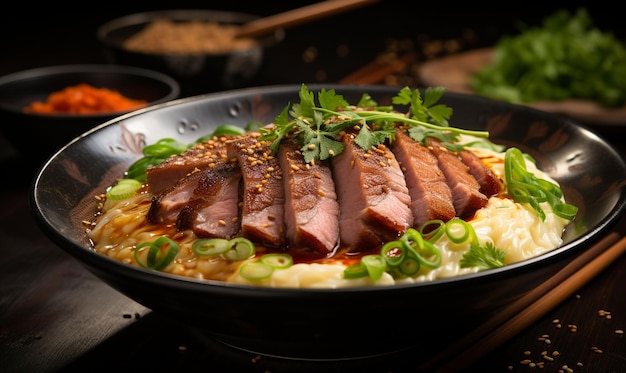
pixel 318 126
pixel 483 257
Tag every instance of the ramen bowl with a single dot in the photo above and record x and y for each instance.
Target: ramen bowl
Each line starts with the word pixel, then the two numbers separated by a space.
pixel 38 134
pixel 328 323
pixel 200 60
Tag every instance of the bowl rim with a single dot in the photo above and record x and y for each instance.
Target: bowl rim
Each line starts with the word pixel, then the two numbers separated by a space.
pixel 134 19
pixel 66 69
pixel 102 263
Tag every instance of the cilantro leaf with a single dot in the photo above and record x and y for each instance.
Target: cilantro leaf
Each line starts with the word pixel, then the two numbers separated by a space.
pixel 319 125
pixel 483 257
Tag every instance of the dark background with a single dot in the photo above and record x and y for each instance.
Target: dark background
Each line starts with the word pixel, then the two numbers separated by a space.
pixel 43 35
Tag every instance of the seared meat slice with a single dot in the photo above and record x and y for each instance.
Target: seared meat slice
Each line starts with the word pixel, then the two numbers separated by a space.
pixel 166 205
pixel 372 194
pixel 311 207
pixel 213 209
pixel 467 197
pixel 490 185
pixel 262 217
pixel 175 168
pixel 431 198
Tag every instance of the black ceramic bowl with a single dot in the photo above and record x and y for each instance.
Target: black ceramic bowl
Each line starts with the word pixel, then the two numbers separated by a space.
pixel 196 72
pixel 38 136
pixel 328 323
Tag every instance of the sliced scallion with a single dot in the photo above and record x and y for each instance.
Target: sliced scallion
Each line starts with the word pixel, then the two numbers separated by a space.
pixel 156 259
pixel 255 271
pixel 210 247
pixel 125 188
pixel 278 261
pixel 239 249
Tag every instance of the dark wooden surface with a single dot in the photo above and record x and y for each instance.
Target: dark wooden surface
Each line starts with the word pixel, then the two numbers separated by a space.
pixel 55 316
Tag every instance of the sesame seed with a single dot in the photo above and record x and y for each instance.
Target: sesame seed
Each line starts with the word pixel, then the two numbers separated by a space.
pixel 596 350
pixel 619 331
pixel 295 167
pixel 221 222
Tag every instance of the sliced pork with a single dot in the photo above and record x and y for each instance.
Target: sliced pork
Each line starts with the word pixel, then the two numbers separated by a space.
pixel 431 197
pixel 466 194
pixel 373 196
pixel 263 197
pixel 166 205
pixel 490 184
pixel 198 157
pixel 357 200
pixel 311 207
pixel 213 208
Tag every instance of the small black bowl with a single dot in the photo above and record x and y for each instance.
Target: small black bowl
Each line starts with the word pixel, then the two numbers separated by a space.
pixel 196 72
pixel 37 136
pixel 342 323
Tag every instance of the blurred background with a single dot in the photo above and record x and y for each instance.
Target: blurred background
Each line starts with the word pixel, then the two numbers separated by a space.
pixel 322 51
pixel 326 50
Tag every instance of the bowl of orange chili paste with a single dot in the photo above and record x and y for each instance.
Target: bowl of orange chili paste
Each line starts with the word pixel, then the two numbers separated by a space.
pixel 43 109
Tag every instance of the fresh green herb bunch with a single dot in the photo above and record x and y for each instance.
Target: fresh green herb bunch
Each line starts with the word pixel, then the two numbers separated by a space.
pixel 566 57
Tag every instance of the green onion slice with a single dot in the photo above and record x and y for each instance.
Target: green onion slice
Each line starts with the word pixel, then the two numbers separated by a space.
pixel 356 270
pixel 255 271
pixel 525 187
pixel 462 233
pixel 393 252
pixel 432 230
pixel 278 261
pixel 156 259
pixel 409 266
pixel 375 265
pixel 125 188
pixel 210 247
pixel 240 248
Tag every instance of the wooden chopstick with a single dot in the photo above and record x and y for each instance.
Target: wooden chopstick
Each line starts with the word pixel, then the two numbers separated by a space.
pixel 527 309
pixel 299 16
pixel 376 71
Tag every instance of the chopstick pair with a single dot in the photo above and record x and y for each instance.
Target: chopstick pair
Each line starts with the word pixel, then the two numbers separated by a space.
pixel 528 309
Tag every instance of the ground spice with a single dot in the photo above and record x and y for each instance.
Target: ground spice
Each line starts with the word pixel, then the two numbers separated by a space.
pixel 84 99
pixel 192 37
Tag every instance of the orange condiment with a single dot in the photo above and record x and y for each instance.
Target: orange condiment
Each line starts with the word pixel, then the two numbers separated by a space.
pixel 84 99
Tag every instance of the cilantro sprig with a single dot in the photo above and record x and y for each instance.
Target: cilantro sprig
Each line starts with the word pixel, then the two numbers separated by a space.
pixel 565 57
pixel 319 123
